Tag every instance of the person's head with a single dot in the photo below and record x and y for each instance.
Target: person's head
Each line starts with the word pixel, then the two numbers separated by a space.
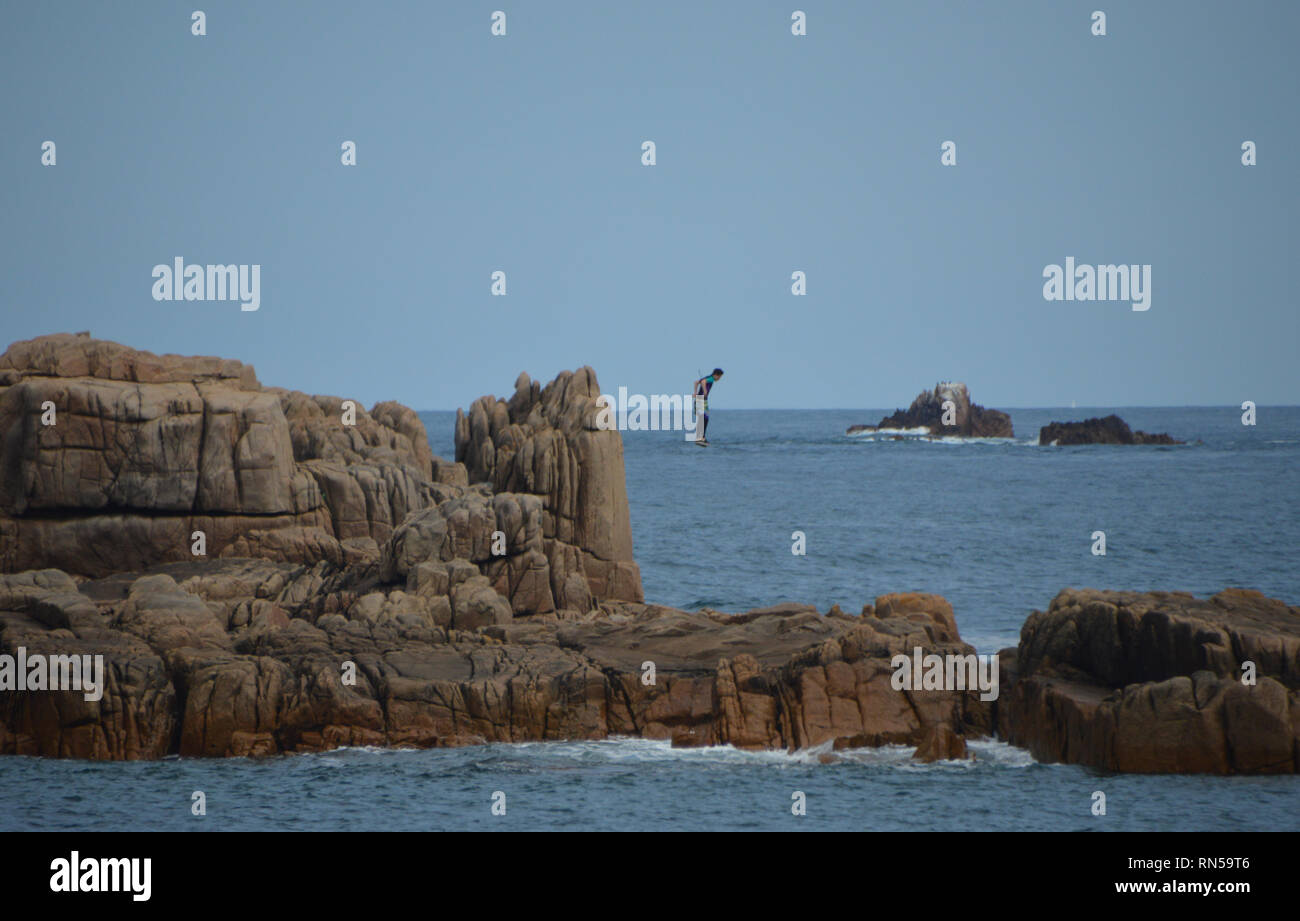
pixel 717 373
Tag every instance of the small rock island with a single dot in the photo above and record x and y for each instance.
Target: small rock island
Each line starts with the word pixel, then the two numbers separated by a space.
pixel 970 420
pixel 1112 430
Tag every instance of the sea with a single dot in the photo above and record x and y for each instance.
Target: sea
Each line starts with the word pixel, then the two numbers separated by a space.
pixel 997 526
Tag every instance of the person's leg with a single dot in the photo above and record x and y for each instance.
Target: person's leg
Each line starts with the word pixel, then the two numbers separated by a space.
pixel 705 434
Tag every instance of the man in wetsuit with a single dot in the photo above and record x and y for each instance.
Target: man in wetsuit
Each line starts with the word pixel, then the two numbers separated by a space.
pixel 702 388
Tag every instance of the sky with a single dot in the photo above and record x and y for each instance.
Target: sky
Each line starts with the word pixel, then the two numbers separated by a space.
pixel 775 153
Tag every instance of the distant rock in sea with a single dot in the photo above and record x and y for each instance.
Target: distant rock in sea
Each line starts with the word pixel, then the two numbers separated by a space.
pixel 1112 430
pixel 969 419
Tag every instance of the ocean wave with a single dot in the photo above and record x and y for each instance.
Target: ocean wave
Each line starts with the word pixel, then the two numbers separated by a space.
pixel 976 440
pixel 371 750
pixel 1003 754
pixel 923 436
pixel 631 751
pixel 870 434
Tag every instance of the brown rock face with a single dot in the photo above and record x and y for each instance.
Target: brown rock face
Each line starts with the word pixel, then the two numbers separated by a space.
pixel 969 419
pixel 941 743
pixel 1111 430
pixel 44 614
pixel 1152 683
pixel 546 442
pixel 245 657
pixel 142 450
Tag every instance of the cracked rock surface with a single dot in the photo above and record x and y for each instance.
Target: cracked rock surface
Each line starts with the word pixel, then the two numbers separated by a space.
pixel 1152 682
pixel 252 657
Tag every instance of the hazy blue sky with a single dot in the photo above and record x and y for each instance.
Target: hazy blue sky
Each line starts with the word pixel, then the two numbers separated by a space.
pixel 775 153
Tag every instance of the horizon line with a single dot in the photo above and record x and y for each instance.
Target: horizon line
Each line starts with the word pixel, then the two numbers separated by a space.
pixel 801 409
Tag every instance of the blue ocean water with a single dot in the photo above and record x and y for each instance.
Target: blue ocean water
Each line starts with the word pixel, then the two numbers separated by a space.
pixel 628 785
pixel 997 526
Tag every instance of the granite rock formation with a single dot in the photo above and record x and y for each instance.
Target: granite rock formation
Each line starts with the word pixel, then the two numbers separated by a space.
pixel 111 458
pixel 254 657
pixel 546 442
pixel 1153 683
pixel 1110 430
pixel 142 451
pixel 969 419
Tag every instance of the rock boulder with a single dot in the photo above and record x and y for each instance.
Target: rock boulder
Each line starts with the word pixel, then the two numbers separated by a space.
pixel 1153 683
pixel 970 420
pixel 1110 430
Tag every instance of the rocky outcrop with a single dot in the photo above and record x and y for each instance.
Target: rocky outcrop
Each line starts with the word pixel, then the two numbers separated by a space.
pixel 1153 682
pixel 546 442
pixel 969 420
pixel 1110 430
pixel 357 590
pixel 111 458
pixel 249 657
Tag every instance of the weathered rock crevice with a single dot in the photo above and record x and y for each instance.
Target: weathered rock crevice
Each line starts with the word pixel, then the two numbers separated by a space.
pixel 1154 683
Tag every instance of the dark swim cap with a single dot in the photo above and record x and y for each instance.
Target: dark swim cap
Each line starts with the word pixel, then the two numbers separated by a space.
pixel 717 370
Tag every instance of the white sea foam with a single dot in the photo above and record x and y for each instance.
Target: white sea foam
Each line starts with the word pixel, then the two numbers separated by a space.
pixel 371 750
pixel 986 752
pixel 978 440
pixel 921 431
pixel 1002 754
pixel 631 751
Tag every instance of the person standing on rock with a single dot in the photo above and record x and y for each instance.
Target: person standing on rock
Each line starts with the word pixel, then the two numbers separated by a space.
pixel 702 388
